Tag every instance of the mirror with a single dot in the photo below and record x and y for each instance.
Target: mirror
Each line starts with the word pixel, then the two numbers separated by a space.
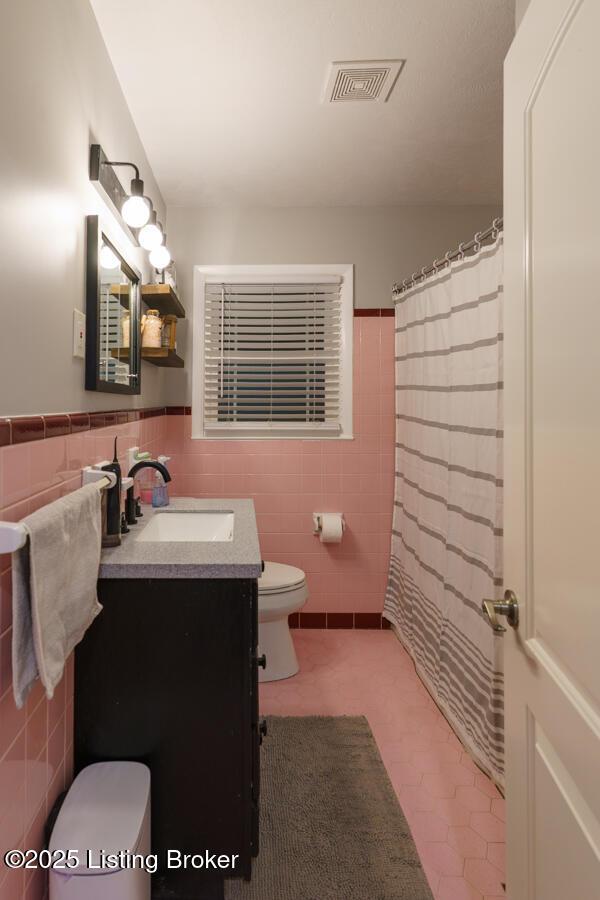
pixel 112 317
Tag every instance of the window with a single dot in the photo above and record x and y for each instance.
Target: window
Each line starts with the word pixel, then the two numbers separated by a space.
pixel 273 351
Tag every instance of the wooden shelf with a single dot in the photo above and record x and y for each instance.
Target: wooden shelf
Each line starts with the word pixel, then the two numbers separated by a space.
pixel 163 298
pixel 162 357
pixel 155 355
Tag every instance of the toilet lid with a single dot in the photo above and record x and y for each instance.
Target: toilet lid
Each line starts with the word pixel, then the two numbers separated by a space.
pixel 279 577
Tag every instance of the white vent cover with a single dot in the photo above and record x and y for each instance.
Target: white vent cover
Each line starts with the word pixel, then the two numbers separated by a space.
pixel 366 79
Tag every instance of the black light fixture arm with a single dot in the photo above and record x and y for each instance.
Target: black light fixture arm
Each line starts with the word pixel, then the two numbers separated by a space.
pixel 109 162
pixel 137 185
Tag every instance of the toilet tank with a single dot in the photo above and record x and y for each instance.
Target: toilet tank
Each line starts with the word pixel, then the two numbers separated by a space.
pixel 105 822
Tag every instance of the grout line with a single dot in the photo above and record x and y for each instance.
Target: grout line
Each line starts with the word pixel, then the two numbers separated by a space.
pixel 18 734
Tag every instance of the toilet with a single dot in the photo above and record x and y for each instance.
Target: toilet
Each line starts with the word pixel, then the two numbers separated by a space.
pixel 282 590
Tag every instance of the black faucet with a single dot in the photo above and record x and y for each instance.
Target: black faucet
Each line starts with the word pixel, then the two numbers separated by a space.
pixel 130 502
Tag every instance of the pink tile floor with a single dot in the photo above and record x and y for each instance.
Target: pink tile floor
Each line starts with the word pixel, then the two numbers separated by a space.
pixel 455 813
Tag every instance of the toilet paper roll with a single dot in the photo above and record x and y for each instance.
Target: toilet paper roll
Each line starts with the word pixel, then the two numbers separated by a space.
pixel 332 528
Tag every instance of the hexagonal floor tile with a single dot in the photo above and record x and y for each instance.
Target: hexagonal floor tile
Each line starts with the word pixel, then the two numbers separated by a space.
pixel 496 853
pixel 488 826
pixel 442 857
pixel 484 877
pixel 472 798
pixel 467 842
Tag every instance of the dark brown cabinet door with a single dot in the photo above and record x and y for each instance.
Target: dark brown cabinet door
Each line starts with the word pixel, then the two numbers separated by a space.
pixel 167 676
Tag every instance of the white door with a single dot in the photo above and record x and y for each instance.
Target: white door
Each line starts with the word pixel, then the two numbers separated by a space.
pixel 552 457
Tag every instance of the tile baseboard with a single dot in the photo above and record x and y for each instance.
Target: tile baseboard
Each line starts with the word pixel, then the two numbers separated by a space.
pixel 371 621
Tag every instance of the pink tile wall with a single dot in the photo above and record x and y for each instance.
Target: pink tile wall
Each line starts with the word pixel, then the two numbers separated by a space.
pixel 286 479
pixel 289 479
pixel 36 743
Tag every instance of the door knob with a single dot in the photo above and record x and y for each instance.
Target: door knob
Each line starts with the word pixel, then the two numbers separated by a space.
pixel 508 606
pixel 261 661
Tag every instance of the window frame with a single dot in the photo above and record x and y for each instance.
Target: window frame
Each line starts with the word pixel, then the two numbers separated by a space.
pixel 284 274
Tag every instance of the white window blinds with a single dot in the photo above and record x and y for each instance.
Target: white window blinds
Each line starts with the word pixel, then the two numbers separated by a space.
pixel 272 356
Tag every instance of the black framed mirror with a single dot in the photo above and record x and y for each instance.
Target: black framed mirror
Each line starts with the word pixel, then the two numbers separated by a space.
pixel 112 307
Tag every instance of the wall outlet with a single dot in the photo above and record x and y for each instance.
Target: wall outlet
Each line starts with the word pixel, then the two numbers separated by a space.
pixel 78 333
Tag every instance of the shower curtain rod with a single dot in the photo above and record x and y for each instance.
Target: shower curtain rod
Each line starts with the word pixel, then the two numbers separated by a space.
pixel 474 244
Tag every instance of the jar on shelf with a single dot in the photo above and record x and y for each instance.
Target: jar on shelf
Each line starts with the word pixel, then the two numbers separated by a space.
pixel 152 325
pixel 125 330
pixel 169 332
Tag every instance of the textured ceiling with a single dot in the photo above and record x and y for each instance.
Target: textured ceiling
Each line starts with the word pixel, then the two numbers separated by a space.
pixel 226 95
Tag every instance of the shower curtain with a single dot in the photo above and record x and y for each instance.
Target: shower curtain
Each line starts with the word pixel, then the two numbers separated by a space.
pixel 447 530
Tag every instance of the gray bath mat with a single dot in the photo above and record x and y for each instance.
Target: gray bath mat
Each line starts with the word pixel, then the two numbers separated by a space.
pixel 331 827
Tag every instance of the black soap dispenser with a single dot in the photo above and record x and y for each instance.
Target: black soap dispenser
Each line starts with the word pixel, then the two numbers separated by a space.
pixel 113 504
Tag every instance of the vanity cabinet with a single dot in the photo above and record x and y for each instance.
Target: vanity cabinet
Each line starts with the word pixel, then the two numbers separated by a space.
pixel 167 675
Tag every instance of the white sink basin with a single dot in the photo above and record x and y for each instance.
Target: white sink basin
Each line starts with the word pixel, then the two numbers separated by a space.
pixel 192 525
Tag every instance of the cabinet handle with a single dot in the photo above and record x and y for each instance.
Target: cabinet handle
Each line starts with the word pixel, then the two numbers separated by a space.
pixel 261 661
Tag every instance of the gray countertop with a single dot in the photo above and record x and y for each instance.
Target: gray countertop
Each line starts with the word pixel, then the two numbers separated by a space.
pixel 239 558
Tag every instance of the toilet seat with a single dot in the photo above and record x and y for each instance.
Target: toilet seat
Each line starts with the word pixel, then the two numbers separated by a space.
pixel 279 578
pixel 281 603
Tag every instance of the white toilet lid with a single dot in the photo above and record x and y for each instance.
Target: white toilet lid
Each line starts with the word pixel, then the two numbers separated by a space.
pixel 279 577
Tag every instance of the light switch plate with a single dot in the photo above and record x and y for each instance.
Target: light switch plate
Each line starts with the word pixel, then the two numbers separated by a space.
pixel 78 333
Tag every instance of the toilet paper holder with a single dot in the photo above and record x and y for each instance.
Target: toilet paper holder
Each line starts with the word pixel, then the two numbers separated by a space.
pixel 318 521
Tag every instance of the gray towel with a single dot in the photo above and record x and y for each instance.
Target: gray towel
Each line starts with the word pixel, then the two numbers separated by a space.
pixel 54 588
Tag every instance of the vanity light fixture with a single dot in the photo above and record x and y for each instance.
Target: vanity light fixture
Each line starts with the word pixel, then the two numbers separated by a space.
pixel 151 236
pixel 136 209
pixel 138 216
pixel 108 258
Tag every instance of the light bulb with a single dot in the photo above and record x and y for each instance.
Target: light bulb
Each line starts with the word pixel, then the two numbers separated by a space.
pixel 108 258
pixel 160 257
pixel 150 236
pixel 136 211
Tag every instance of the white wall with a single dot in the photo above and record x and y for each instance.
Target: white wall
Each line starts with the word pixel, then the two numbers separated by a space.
pixel 520 8
pixel 384 243
pixel 58 93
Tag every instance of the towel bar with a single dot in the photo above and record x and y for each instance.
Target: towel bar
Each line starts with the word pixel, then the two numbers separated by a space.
pixel 13 535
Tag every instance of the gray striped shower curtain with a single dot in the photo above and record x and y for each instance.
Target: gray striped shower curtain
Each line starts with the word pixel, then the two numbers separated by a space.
pixel 447 532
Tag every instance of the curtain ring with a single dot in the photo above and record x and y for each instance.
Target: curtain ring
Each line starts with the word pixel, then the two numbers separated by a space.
pixel 461 250
pixel 495 228
pixel 414 277
pixel 477 241
pixel 405 284
pixel 424 273
pixel 447 257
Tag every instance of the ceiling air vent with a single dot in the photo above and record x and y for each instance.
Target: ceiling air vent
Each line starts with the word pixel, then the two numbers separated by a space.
pixel 365 79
